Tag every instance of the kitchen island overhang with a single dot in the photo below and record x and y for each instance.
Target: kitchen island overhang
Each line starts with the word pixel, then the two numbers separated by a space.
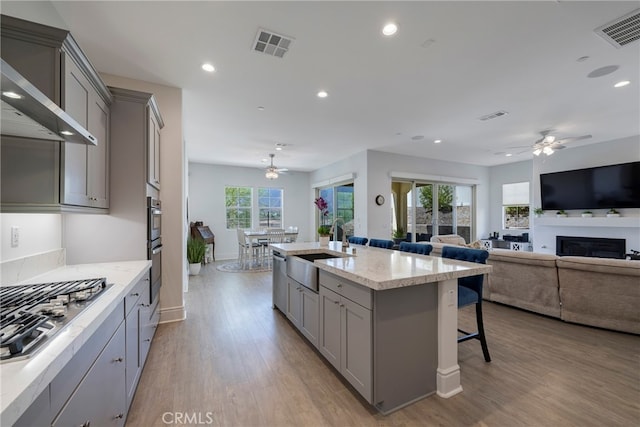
pixel 396 280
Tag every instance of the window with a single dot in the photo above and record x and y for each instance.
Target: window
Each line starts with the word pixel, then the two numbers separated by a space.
pixel 340 203
pixel 515 205
pixel 238 205
pixel 270 207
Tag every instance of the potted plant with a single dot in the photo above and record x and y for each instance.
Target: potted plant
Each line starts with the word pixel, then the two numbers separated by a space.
pixel 612 213
pixel 195 254
pixel 323 229
pixel 538 212
pixel 587 214
pixel 561 213
pixel 398 235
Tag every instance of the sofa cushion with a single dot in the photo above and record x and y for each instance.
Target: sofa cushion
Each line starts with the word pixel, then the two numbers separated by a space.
pixel 451 239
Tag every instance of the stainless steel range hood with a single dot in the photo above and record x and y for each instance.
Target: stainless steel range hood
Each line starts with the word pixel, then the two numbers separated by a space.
pixel 27 112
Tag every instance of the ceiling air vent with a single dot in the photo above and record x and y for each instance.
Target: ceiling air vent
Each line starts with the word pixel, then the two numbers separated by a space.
pixel 622 31
pixel 493 115
pixel 271 43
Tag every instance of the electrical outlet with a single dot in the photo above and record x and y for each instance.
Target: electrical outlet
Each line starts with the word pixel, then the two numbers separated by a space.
pixel 15 236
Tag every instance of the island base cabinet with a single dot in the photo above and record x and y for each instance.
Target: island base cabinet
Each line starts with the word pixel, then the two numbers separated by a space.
pixel 302 310
pixel 96 401
pixel 346 339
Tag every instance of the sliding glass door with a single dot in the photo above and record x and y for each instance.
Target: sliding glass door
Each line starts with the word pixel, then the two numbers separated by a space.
pixel 425 209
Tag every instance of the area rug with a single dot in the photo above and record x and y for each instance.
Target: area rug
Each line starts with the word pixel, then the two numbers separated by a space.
pixel 236 267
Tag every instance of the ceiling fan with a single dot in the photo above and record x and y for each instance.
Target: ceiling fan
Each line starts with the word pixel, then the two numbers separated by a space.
pixel 272 171
pixel 549 144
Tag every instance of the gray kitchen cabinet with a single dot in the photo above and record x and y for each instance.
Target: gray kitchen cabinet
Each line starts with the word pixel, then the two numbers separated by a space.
pixel 153 159
pixel 135 134
pixel 345 339
pixel 99 400
pixel 141 323
pixel 280 287
pixel 56 176
pixel 302 310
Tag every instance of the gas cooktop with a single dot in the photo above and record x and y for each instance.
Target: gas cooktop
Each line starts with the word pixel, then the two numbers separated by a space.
pixel 32 314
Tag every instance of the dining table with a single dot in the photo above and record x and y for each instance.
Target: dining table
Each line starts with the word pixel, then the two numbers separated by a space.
pixel 263 238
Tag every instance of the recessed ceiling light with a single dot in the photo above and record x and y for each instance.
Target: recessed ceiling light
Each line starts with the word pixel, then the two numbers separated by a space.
pixel 13 95
pixel 622 83
pixel 278 148
pixel 208 67
pixel 389 29
pixel 508 155
pixel 66 132
pixel 437 141
pixel 322 94
pixel 417 137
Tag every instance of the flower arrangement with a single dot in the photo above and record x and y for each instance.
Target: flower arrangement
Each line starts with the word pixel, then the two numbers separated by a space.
pixel 323 207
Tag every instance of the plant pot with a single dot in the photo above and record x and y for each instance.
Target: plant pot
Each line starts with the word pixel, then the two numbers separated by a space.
pixel 194 269
pixel 324 240
pixel 561 215
pixel 613 215
pixel 587 215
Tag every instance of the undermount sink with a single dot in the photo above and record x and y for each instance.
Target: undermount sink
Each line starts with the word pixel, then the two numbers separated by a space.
pixel 321 255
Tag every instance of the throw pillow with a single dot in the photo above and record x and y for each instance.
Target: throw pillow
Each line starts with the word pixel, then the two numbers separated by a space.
pixel 475 245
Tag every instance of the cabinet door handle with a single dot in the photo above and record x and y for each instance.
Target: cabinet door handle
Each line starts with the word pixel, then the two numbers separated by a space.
pixel 335 302
pixel 339 285
pixel 135 294
pixel 341 305
pixel 118 360
pixel 119 416
pixel 86 424
pixel 147 340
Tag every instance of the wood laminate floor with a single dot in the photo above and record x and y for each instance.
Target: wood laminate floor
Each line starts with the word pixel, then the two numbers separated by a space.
pixel 235 361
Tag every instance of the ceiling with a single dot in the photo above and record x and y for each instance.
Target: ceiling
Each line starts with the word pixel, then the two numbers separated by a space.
pixel 449 64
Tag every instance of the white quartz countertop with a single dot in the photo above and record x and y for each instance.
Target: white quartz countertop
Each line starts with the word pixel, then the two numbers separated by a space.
pixel 381 269
pixel 21 382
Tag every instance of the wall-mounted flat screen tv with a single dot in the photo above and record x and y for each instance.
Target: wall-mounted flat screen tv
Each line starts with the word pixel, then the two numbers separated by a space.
pixel 604 187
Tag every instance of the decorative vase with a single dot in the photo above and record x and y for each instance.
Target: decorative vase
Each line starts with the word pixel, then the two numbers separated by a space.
pixel 612 215
pixel 561 215
pixel 324 240
pixel 587 215
pixel 194 269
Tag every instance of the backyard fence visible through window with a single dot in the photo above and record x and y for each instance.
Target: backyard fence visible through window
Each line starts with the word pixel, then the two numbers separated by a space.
pixel 515 205
pixel 238 205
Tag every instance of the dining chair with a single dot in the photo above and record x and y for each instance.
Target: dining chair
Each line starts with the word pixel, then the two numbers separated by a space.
pixel 381 243
pixel 291 237
pixel 274 235
pixel 416 248
pixel 358 240
pixel 470 291
pixel 246 248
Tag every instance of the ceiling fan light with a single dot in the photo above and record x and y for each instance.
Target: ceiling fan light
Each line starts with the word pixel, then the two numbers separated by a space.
pixel 547 150
pixel 549 139
pixel 537 151
pixel 271 174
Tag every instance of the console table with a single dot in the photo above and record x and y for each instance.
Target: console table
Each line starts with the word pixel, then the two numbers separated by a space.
pixel 504 244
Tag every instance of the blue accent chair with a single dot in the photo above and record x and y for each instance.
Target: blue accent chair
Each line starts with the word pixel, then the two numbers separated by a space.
pixel 470 291
pixel 380 243
pixel 416 248
pixel 358 240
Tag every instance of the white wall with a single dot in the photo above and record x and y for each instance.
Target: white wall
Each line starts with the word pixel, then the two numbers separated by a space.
pixel 506 174
pixel 622 150
pixel 207 201
pixel 41 12
pixel 38 233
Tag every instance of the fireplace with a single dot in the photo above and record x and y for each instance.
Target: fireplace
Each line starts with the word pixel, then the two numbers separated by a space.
pixel 590 246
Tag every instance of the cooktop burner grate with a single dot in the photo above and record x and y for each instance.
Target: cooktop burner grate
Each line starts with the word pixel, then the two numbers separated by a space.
pixel 31 313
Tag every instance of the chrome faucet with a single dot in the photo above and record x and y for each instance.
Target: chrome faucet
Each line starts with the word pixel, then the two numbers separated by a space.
pixel 345 243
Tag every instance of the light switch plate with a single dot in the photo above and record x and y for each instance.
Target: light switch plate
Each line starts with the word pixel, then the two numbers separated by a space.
pixel 15 236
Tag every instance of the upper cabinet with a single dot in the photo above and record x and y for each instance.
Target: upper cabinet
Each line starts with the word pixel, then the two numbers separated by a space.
pixel 153 159
pixel 56 176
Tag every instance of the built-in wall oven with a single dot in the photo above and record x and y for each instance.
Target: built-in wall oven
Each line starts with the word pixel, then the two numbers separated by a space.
pixel 154 244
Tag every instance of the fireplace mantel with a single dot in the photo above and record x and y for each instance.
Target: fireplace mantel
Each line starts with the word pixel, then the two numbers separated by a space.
pixel 552 221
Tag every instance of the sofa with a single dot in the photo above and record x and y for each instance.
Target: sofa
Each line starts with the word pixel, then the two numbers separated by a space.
pixel 599 292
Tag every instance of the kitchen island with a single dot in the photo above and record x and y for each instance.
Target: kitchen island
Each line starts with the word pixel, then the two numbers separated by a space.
pixel 386 320
pixel 25 383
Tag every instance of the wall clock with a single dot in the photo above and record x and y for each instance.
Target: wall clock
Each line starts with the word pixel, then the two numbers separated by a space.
pixel 379 200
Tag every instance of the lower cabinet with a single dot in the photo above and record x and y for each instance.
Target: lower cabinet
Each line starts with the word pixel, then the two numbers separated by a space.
pixel 302 309
pixel 96 401
pixel 345 339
